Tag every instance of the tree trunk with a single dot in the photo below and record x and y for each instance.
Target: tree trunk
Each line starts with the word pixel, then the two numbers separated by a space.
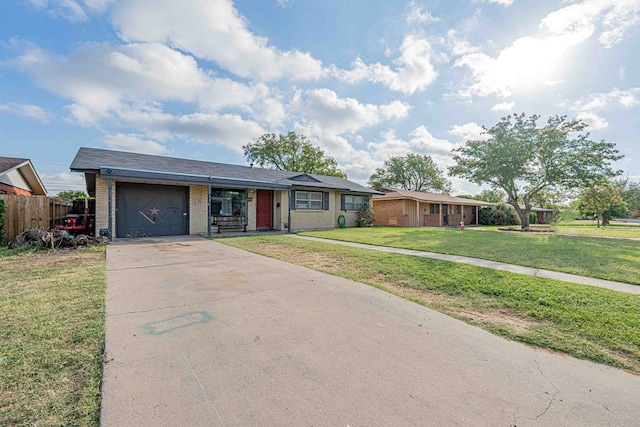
pixel 522 213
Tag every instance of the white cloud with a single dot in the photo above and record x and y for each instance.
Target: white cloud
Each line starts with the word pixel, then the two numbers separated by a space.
pixel 602 101
pixel 459 46
pixel 531 62
pixel 63 181
pixel 413 69
pixel 468 132
pixel 212 30
pixel 133 143
pixel 26 110
pixel 421 141
pixel 100 79
pixel 527 63
pixel 594 121
pixel 228 130
pixel 609 19
pixel 505 3
pixel 340 115
pixel 69 10
pixel 415 14
pixel 503 106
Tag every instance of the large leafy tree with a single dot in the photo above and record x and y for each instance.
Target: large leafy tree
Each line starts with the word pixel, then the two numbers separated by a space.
pixel 523 159
pixel 630 191
pixel 411 172
pixel 70 195
pixel 604 201
pixel 491 196
pixel 290 152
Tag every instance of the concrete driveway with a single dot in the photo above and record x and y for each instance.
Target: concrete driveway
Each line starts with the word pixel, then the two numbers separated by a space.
pixel 201 334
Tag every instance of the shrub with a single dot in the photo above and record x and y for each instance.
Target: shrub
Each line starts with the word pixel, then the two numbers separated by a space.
pixel 533 218
pixel 365 216
pixel 500 214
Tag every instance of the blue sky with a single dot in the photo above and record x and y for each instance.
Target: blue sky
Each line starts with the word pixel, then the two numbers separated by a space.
pixel 362 79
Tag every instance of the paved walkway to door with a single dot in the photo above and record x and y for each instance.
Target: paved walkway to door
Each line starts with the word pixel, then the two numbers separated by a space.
pixel 529 271
pixel 202 334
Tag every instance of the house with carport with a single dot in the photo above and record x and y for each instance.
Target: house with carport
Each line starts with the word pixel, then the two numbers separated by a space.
pixel 141 195
pixel 406 208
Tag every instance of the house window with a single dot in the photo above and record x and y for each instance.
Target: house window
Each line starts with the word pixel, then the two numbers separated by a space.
pixel 309 200
pixel 354 203
pixel 455 210
pixel 434 209
pixel 228 202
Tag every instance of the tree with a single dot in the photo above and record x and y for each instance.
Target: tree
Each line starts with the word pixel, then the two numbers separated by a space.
pixel 491 196
pixel 415 172
pixel 522 159
pixel 602 201
pixel 290 152
pixel 68 196
pixel 629 191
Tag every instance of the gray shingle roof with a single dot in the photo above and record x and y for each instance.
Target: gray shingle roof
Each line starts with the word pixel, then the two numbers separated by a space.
pixel 92 159
pixel 7 163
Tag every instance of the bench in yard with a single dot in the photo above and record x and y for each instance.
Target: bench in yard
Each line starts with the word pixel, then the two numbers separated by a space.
pixel 231 222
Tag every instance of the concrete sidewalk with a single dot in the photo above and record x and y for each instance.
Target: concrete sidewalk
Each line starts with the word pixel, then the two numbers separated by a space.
pixel 202 334
pixel 529 271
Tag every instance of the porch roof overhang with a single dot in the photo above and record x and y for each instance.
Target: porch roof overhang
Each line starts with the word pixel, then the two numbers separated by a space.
pixel 452 201
pixel 187 179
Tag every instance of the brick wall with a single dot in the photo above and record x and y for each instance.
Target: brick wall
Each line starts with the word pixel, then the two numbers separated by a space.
pixel 102 203
pixel 431 220
pixel 389 213
pixel 11 190
pixel 198 209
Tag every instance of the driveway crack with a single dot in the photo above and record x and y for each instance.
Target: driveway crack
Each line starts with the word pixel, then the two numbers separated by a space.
pixel 549 403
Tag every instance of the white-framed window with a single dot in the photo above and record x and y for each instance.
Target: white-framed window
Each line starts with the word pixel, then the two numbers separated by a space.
pixel 434 209
pixel 309 200
pixel 354 203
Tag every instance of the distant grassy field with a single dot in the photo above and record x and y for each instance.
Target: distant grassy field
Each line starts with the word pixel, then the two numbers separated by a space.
pixel 609 259
pixel 51 337
pixel 618 229
pixel 587 322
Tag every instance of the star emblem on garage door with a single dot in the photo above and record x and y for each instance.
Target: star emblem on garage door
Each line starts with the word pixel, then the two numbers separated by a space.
pixel 154 211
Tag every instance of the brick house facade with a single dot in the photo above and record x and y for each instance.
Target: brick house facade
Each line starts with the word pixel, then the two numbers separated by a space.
pixel 404 208
pixel 143 195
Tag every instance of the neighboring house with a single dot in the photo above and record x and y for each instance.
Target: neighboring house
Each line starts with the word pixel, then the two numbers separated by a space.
pixel 405 208
pixel 543 215
pixel 18 177
pixel 146 195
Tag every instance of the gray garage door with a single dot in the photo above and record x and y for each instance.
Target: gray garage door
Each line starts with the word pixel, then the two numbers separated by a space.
pixel 151 210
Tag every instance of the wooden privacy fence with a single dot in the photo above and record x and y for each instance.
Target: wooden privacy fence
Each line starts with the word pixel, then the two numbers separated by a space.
pixel 26 212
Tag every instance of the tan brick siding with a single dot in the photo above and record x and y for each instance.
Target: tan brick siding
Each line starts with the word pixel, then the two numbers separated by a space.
pixel 199 215
pixel 102 204
pixel 198 209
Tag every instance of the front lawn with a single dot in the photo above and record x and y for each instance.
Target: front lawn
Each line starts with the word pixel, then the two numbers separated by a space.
pixel 587 322
pixel 51 337
pixel 611 259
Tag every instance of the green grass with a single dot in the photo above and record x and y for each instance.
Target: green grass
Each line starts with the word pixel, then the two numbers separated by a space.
pixel 51 336
pixel 610 259
pixel 587 322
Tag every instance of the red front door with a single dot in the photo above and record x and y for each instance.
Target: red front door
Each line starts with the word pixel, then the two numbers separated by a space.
pixel 264 209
